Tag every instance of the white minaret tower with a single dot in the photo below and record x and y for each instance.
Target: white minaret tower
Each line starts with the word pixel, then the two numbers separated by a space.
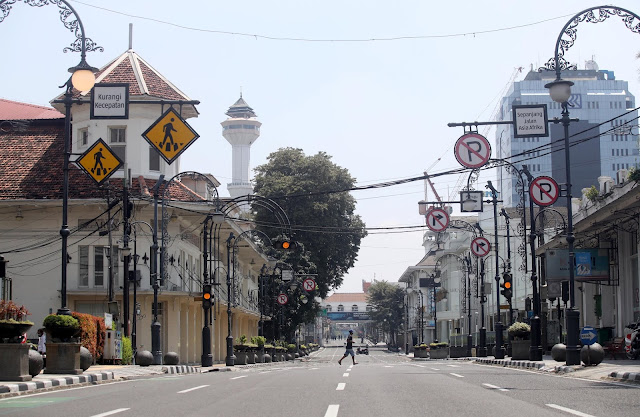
pixel 241 129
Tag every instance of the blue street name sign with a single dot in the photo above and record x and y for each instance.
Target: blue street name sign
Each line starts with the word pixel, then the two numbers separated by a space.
pixel 588 335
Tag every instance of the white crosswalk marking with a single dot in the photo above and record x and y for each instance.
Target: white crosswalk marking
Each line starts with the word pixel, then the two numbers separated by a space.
pixel 569 410
pixel 332 410
pixel 341 386
pixel 192 389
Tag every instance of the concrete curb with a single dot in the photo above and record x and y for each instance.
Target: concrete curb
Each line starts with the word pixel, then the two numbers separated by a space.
pixel 625 376
pixel 513 364
pixel 180 369
pixel 55 382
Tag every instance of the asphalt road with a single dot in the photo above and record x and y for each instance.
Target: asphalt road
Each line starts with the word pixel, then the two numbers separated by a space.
pixel 381 384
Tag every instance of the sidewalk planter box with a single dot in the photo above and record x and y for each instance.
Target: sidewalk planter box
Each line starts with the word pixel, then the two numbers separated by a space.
pixel 241 358
pixel 520 349
pixel 14 362
pixel 251 357
pixel 440 353
pixel 457 351
pixel 63 358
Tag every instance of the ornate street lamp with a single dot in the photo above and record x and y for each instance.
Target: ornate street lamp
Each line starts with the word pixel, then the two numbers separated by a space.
pixel 82 80
pixel 560 92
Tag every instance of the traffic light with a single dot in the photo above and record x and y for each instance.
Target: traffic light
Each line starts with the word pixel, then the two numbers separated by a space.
pixel 283 244
pixel 207 294
pixel 507 281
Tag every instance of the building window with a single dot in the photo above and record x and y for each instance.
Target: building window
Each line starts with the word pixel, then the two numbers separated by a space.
pixel 98 266
pixel 354 307
pixel 369 307
pixel 83 137
pixel 340 307
pixel 83 262
pixel 154 159
pixel 328 308
pixel 118 140
pixel 612 152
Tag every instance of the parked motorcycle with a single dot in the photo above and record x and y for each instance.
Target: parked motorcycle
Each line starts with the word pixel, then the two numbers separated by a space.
pixel 364 350
pixel 632 341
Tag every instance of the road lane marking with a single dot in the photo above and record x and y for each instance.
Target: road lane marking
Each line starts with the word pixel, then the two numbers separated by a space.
pixel 494 387
pixel 435 369
pixel 192 389
pixel 388 366
pixel 265 372
pixel 345 374
pixel 332 411
pixel 419 366
pixel 313 369
pixel 459 376
pixel 341 386
pixel 454 366
pixel 238 377
pixel 108 413
pixel 569 410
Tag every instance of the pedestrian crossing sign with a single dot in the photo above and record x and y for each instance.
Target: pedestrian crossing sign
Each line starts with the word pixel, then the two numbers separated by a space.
pixel 170 135
pixel 99 162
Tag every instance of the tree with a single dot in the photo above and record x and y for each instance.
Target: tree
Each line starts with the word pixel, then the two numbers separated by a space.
pixel 387 301
pixel 324 221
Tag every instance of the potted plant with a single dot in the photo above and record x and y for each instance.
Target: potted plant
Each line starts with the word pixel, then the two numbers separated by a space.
pixel 420 351
pixel 269 353
pixel 519 334
pixel 438 350
pixel 63 346
pixel 259 341
pixel 13 321
pixel 14 355
pixel 241 349
pixel 291 351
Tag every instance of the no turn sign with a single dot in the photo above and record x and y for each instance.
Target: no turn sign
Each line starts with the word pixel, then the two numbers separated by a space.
pixel 282 299
pixel 544 191
pixel 480 246
pixel 437 219
pixel 472 150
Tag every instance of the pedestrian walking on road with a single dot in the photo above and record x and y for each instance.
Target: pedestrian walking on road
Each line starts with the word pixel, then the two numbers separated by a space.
pixel 42 346
pixel 349 350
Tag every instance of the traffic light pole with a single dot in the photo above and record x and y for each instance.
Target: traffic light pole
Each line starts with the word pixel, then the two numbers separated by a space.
pixel 207 357
pixel 498 350
pixel 535 351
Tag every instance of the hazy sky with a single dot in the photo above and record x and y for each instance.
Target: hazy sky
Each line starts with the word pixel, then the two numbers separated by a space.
pixel 318 81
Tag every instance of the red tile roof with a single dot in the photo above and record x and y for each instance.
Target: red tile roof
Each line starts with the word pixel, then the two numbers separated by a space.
pixel 12 110
pixel 350 297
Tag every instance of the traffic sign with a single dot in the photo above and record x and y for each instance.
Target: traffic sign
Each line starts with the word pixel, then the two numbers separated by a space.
pixel 309 284
pixel 170 135
pixel 99 161
pixel 544 191
pixel 282 299
pixel 110 101
pixel 530 120
pixel 480 246
pixel 472 150
pixel 437 219
pixel 588 335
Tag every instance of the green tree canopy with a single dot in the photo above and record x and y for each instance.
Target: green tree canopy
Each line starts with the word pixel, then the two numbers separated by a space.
pixel 324 223
pixel 387 301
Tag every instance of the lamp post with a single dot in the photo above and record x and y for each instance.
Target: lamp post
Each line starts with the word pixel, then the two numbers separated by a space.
pixel 535 351
pixel 499 351
pixel 467 260
pixel 560 92
pixel 156 348
pixel 406 321
pixel 230 358
pixel 82 80
pixel 421 336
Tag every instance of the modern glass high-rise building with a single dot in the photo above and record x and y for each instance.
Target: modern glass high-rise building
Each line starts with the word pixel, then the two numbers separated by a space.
pixel 596 97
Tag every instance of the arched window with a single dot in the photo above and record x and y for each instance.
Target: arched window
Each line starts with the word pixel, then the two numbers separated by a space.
pixel 340 307
pixel 354 307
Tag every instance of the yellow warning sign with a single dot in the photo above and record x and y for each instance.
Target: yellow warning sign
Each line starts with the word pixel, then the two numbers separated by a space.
pixel 99 161
pixel 170 135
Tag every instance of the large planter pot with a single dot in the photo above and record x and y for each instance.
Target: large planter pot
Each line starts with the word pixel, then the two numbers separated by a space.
pixel 13 330
pixel 440 353
pixel 63 358
pixel 520 349
pixel 61 334
pixel 14 362
pixel 420 353
pixel 457 351
pixel 241 358
pixel 251 357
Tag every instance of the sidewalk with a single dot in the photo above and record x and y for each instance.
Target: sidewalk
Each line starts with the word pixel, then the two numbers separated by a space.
pixel 96 374
pixel 609 369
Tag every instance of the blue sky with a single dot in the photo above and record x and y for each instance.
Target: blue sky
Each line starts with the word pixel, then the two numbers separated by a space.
pixel 380 108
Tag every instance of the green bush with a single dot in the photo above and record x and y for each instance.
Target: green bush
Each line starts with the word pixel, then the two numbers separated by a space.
pixel 438 345
pixel 519 330
pixel 291 347
pixel 127 351
pixel 258 340
pixel 54 321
